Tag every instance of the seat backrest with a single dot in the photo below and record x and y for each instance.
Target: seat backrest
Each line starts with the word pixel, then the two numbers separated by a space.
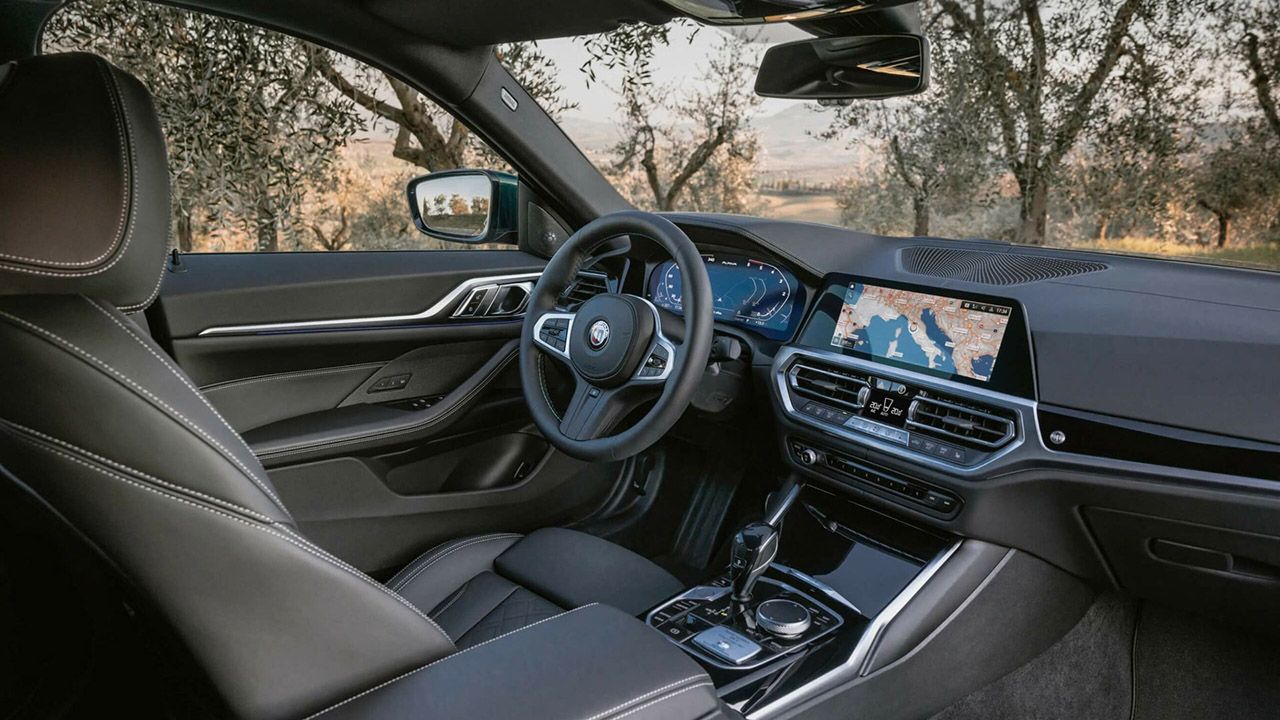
pixel 100 424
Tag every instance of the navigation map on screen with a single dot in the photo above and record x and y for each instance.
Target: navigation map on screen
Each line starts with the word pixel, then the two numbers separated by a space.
pixel 960 337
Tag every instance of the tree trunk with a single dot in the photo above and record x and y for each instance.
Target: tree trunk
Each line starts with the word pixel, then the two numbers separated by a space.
pixel 268 237
pixel 1033 212
pixel 1104 226
pixel 185 232
pixel 1224 227
pixel 920 206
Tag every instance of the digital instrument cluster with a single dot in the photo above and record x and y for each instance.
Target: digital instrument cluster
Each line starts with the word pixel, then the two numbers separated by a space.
pixel 745 291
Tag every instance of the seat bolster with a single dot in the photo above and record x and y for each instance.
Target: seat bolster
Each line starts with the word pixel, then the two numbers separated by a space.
pixel 573 569
pixel 439 573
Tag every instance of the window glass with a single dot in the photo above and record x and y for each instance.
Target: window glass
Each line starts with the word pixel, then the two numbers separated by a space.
pixel 1152 128
pixel 275 144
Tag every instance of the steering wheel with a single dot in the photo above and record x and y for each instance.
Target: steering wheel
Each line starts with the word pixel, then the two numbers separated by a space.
pixel 614 346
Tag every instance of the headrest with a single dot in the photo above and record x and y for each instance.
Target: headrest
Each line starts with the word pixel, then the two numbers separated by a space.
pixel 84 183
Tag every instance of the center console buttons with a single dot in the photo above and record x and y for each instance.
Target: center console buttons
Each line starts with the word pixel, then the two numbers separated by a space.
pixel 726 644
pixel 782 617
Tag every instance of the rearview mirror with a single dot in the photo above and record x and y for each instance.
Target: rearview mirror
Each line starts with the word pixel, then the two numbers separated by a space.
pixel 754 12
pixel 865 66
pixel 467 206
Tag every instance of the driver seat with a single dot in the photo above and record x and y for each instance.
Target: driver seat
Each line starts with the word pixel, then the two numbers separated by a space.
pixel 101 428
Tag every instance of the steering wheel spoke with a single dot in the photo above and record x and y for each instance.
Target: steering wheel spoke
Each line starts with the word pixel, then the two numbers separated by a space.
pixel 551 333
pixel 593 411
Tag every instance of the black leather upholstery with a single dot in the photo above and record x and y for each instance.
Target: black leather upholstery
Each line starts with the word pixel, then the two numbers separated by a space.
pixel 479 587
pixel 100 425
pixel 593 663
pixel 84 185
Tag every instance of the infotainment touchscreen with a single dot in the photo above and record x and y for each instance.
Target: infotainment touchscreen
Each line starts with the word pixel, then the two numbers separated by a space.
pixel 978 340
pixel 950 335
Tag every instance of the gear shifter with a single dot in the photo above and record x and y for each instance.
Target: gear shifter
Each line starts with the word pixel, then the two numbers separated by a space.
pixel 754 547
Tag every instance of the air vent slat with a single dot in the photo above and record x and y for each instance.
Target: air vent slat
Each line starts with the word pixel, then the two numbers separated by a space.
pixel 960 421
pixel 827 384
pixel 992 268
pixel 585 287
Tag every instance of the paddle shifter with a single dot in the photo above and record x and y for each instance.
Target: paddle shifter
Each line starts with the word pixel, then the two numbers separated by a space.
pixel 754 547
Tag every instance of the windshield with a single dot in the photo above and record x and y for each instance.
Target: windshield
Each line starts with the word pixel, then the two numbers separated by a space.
pixel 1123 126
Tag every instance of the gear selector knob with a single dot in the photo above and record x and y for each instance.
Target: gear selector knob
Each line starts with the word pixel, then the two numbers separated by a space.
pixel 754 547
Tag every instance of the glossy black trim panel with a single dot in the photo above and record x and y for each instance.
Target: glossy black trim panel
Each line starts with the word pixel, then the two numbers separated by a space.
pixel 1085 433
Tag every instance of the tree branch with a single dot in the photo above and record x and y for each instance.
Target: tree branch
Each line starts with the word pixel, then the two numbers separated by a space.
pixel 365 99
pixel 1261 81
pixel 1065 137
pixel 697 159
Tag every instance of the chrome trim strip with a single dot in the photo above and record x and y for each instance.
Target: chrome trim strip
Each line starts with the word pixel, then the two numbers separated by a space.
pixel 1025 409
pixel 658 339
pixel 537 333
pixel 855 666
pixel 430 313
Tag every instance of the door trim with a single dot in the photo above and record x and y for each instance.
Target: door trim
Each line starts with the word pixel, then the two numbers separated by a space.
pixel 431 313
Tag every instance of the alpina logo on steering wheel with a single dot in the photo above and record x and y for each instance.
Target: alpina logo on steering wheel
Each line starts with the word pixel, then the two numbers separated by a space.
pixel 598 336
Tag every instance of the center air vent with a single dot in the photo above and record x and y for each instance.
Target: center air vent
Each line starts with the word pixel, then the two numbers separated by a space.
pixel 587 286
pixel 992 268
pixel 956 420
pixel 829 384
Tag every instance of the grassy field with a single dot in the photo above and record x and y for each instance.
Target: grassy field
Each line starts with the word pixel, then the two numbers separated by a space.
pixel 1258 256
pixel 796 206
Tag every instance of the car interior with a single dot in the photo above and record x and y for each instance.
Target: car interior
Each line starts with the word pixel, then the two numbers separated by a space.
pixel 637 465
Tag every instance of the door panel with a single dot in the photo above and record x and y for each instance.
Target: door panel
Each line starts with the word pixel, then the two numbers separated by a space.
pixel 401 427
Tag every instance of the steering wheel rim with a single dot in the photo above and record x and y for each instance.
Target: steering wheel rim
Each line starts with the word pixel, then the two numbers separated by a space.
pixel 608 381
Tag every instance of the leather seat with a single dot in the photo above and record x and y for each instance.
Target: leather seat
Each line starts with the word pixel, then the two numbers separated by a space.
pixel 480 587
pixel 98 425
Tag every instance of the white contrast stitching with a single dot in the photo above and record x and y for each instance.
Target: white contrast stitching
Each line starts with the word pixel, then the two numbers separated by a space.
pixel 281 376
pixel 398 678
pixel 272 530
pixel 459 405
pixel 466 543
pixel 358 573
pixel 173 413
pixel 645 696
pixel 125 468
pixel 662 699
pixel 181 378
pixel 126 150
pixel 461 591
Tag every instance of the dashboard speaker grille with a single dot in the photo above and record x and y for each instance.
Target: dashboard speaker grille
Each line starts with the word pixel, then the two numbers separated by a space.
pixel 992 268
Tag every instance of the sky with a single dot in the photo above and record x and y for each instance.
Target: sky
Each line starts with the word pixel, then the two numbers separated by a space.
pixel 680 61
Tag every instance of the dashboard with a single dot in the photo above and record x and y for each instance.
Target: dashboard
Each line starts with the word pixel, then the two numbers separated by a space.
pixel 1111 415
pixel 747 292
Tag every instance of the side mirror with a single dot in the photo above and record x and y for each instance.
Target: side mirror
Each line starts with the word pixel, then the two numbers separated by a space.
pixel 843 68
pixel 466 206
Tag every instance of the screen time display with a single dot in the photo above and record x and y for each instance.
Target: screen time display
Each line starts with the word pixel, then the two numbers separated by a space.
pixel 950 335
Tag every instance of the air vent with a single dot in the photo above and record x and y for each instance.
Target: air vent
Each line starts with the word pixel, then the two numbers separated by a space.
pixel 992 268
pixel 959 420
pixel 587 286
pixel 828 384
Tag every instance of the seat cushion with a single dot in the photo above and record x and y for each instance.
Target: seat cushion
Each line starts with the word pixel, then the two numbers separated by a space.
pixel 478 588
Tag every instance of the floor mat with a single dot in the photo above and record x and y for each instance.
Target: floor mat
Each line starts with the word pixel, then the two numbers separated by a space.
pixel 1192 669
pixel 1085 676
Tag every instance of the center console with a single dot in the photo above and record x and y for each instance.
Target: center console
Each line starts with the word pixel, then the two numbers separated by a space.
pixel 802 602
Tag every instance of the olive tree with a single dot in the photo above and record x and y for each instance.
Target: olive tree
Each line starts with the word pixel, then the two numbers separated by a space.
pixel 250 122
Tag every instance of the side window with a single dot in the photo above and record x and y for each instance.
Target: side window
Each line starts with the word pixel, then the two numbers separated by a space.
pixel 275 144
